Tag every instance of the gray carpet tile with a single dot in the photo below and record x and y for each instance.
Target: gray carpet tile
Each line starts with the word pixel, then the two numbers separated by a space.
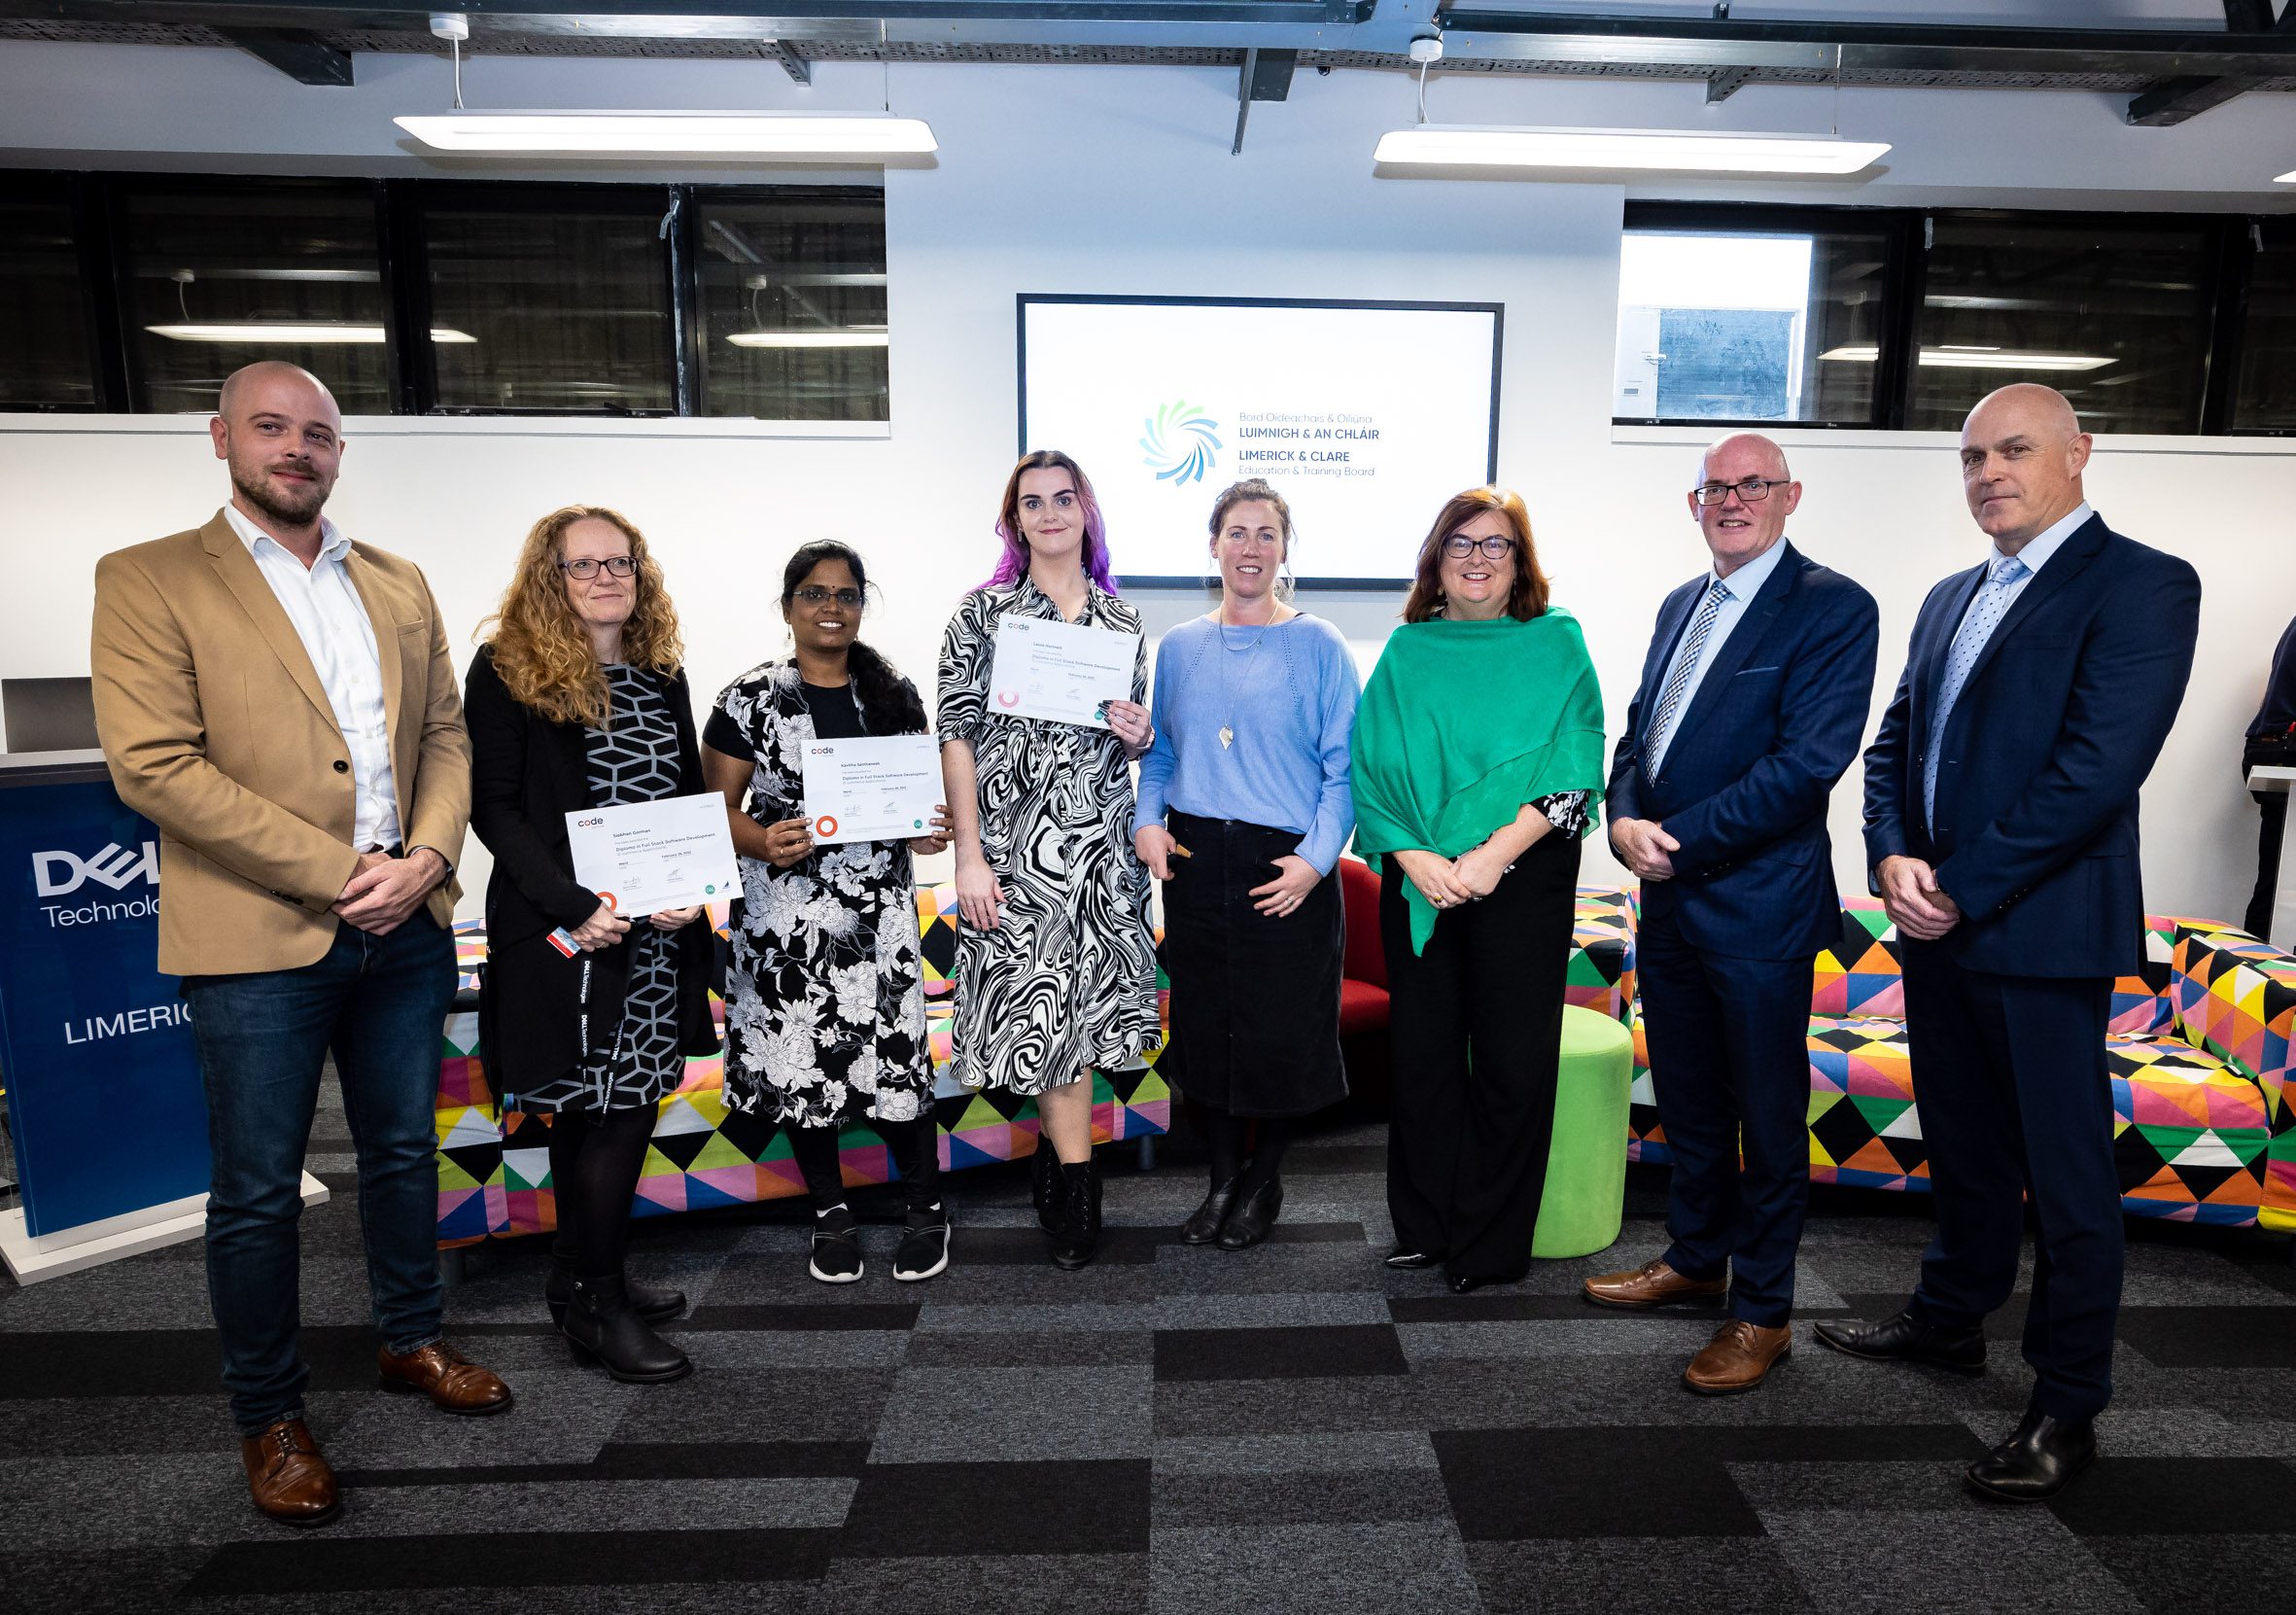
pixel 1292 1427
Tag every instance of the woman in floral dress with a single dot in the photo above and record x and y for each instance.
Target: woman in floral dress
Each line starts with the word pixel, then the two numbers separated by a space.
pixel 1056 972
pixel 824 1001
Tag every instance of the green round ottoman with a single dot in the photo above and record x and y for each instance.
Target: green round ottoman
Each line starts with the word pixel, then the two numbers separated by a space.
pixel 1586 1167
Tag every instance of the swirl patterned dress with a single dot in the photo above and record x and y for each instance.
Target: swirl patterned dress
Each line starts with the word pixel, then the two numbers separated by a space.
pixel 1068 979
pixel 824 1004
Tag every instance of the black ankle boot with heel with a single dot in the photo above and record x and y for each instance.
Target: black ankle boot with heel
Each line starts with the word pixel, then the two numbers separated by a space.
pixel 651 1302
pixel 602 1327
pixel 1079 1235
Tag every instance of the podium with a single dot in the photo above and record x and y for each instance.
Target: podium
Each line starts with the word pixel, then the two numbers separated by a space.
pixel 105 1109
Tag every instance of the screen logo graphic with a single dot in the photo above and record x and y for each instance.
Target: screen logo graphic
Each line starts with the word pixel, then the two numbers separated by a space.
pixel 1180 444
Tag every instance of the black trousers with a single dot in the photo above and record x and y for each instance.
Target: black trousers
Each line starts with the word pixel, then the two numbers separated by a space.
pixel 1730 1059
pixel 2015 1099
pixel 1476 1022
pixel 2273 806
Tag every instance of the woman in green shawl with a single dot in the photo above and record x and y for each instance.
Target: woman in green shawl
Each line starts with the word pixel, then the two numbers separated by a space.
pixel 1478 758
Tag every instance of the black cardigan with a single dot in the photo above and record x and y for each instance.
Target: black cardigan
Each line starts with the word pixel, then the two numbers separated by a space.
pixel 527 774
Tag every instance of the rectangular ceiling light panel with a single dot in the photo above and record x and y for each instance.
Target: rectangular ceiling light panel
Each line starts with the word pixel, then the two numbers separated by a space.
pixel 673 133
pixel 1669 151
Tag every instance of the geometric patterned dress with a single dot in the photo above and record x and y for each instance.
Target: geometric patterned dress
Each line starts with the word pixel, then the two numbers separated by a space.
pixel 636 1063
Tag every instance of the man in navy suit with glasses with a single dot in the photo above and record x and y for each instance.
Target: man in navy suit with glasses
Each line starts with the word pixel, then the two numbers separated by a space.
pixel 1753 701
pixel 2000 825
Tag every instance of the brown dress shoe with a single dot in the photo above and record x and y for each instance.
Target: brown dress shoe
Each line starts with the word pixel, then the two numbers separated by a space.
pixel 291 1482
pixel 1652 1284
pixel 1739 1358
pixel 452 1380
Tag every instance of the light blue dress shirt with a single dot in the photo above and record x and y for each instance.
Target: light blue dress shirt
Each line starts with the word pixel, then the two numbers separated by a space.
pixel 1738 591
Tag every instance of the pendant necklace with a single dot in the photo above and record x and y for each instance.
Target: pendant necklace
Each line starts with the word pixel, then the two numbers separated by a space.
pixel 1228 729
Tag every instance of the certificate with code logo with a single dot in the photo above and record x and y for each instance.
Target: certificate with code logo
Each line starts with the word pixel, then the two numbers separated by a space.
pixel 883 787
pixel 1062 671
pixel 642 858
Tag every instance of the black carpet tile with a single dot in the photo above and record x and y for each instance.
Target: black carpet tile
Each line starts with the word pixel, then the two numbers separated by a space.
pixel 1174 1428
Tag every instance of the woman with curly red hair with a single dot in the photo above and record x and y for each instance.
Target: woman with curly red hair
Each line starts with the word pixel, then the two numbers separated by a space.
pixel 578 700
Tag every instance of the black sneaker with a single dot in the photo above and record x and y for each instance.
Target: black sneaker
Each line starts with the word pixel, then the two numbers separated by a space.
pixel 924 1247
pixel 837 1248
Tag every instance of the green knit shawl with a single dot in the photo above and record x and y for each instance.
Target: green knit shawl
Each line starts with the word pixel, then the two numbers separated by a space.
pixel 1462 723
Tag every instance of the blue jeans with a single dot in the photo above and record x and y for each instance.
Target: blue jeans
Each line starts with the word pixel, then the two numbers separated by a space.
pixel 379 1002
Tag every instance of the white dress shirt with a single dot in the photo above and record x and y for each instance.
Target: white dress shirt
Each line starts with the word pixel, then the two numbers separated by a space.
pixel 332 620
pixel 2035 555
pixel 1738 591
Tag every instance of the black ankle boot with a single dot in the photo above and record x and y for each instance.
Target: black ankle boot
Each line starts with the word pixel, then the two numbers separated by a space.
pixel 1044 1186
pixel 1204 1223
pixel 651 1302
pixel 601 1327
pixel 1080 1229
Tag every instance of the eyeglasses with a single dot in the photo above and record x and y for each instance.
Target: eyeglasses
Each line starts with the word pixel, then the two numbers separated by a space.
pixel 1752 491
pixel 1458 546
pixel 813 594
pixel 585 569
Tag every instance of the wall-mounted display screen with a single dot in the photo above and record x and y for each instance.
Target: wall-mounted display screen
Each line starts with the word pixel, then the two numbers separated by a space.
pixel 1366 416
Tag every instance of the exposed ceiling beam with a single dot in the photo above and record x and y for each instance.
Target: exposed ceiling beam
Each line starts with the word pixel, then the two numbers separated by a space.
pixel 1819 45
pixel 303 57
pixel 2173 101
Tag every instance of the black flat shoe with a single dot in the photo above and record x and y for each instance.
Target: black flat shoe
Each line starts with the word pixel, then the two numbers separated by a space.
pixel 1403 1258
pixel 1248 1224
pixel 2037 1462
pixel 1904 1339
pixel 1204 1223
pixel 1467 1282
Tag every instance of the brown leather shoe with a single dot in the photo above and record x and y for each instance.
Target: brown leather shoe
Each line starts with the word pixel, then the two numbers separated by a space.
pixel 1739 1358
pixel 291 1482
pixel 1652 1284
pixel 452 1380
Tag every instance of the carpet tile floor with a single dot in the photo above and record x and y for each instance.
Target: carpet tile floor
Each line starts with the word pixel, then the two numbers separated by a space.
pixel 1174 1429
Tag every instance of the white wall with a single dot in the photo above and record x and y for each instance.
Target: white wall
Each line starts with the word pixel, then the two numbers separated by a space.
pixel 1120 180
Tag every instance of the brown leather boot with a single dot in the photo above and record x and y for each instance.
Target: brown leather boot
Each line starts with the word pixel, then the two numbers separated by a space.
pixel 291 1482
pixel 452 1380
pixel 1652 1284
pixel 1739 1358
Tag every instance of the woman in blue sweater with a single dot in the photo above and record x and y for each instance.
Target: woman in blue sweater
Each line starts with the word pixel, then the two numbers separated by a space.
pixel 1243 808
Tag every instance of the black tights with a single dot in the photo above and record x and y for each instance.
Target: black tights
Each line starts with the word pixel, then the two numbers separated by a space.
pixel 595 1159
pixel 915 1147
pixel 1226 1133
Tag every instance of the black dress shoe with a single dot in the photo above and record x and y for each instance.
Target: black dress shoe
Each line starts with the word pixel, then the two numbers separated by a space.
pixel 1248 1224
pixel 1906 1339
pixel 1464 1284
pixel 1204 1224
pixel 2036 1463
pixel 1404 1259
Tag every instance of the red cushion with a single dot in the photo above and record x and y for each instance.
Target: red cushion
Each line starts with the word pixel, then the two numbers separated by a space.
pixel 1363 1007
pixel 1359 893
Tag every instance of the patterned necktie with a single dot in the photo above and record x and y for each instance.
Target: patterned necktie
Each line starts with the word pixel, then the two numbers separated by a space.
pixel 1686 663
pixel 1985 616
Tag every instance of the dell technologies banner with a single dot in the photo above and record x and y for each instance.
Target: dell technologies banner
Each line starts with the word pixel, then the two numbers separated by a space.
pixel 103 1087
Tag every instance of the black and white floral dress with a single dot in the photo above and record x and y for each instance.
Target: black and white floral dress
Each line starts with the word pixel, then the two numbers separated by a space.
pixel 635 760
pixel 1068 979
pixel 825 1003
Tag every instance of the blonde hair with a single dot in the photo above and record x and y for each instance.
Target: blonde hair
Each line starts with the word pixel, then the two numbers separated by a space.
pixel 541 647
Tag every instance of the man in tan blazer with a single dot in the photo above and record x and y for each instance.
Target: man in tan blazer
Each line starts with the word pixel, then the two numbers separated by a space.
pixel 279 702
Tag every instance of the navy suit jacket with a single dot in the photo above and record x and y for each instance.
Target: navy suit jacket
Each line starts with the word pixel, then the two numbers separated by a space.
pixel 1775 722
pixel 2041 761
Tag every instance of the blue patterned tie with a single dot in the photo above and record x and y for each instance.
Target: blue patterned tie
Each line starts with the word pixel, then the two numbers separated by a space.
pixel 1985 616
pixel 1686 663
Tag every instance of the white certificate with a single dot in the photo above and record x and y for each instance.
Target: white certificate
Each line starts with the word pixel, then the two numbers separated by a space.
pixel 1060 670
pixel 881 789
pixel 646 856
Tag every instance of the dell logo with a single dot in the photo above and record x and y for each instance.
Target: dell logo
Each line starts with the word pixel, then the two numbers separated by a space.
pixel 56 874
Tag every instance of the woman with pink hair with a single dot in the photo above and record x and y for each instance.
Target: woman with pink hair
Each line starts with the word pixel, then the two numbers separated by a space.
pixel 1056 972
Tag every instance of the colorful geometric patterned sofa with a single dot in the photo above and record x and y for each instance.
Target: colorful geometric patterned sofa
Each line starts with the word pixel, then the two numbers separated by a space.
pixel 2204 1108
pixel 494 1172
